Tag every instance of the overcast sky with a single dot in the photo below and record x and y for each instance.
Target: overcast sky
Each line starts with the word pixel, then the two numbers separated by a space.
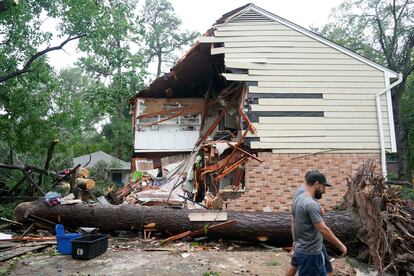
pixel 199 15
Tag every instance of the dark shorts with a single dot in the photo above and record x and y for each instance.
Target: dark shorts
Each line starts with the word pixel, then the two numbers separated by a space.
pixel 328 265
pixel 310 265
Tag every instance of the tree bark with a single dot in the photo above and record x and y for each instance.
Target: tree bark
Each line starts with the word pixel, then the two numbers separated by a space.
pixel 403 150
pixel 275 228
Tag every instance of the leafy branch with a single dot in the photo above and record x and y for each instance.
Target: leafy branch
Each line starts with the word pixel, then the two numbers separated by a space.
pixel 28 64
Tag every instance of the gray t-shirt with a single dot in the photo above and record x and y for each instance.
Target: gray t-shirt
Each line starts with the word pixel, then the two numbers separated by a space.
pixel 307 211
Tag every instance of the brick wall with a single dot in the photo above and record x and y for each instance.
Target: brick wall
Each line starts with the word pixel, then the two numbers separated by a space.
pixel 271 185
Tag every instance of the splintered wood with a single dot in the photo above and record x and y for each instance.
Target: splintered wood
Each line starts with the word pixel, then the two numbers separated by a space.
pixel 387 223
pixel 220 153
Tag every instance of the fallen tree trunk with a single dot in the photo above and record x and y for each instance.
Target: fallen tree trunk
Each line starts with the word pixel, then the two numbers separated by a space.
pixel 274 228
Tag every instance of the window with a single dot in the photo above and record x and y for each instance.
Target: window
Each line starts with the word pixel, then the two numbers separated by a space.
pixel 117 178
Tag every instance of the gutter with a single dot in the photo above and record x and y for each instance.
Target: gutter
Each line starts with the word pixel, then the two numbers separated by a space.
pixel 380 124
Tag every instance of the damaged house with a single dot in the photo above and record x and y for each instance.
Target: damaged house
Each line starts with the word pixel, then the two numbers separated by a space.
pixel 252 106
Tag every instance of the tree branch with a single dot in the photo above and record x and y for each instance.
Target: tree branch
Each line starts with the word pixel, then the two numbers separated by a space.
pixel 26 67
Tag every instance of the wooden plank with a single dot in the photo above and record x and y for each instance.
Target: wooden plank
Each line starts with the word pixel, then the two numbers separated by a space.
pixel 15 252
pixel 209 216
pixel 212 227
pixel 231 168
pixel 177 237
pixel 245 152
pixel 11 221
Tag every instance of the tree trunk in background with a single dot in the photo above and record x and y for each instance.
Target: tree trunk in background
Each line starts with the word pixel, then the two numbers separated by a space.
pixel 275 228
pixel 159 58
pixel 403 150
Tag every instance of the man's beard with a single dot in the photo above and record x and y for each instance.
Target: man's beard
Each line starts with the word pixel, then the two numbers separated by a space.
pixel 318 194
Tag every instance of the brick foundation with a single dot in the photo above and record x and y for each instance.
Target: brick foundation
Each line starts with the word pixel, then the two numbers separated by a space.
pixel 271 185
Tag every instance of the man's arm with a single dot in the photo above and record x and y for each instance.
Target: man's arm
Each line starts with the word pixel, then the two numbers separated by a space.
pixel 328 235
pixel 292 228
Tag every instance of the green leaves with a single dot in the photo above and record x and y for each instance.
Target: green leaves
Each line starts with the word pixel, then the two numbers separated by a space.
pixel 163 36
pixel 383 31
pixel 137 176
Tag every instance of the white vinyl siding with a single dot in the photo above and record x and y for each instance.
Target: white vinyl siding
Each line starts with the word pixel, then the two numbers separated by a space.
pixel 279 59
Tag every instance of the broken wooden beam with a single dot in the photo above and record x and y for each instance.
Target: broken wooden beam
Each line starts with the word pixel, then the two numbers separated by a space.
pixel 177 237
pixel 11 221
pixel 245 152
pixel 204 230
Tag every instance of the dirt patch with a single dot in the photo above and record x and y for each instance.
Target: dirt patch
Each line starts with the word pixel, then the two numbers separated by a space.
pixel 138 257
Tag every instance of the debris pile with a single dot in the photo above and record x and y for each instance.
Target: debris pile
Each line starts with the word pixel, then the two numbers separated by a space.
pixel 216 166
pixel 386 220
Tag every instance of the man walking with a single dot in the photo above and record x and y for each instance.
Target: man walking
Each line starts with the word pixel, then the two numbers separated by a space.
pixel 309 229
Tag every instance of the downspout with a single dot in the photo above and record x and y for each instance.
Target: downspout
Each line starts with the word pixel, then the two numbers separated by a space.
pixel 380 124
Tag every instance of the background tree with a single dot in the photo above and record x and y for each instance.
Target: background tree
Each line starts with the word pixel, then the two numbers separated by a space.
pixel 22 31
pixel 163 36
pixel 384 32
pixel 114 58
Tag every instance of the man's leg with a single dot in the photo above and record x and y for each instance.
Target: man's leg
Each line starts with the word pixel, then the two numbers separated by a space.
pixel 291 271
pixel 328 264
pixel 293 268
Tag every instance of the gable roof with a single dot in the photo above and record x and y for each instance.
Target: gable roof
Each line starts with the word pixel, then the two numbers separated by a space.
pixel 112 161
pixel 253 12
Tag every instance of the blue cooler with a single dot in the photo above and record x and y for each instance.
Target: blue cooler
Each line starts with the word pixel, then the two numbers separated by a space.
pixel 64 245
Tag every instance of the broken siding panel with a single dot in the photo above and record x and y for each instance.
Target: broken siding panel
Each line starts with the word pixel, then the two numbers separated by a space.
pixel 317 120
pixel 276 49
pixel 331 84
pixel 350 91
pixel 256 33
pixel 338 73
pixel 315 146
pixel 318 132
pixel 281 40
pixel 316 151
pixel 234 63
pixel 298 107
pixel 305 65
pixel 313 78
pixel 320 139
pixel 323 102
pixel 289 55
pixel 279 127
